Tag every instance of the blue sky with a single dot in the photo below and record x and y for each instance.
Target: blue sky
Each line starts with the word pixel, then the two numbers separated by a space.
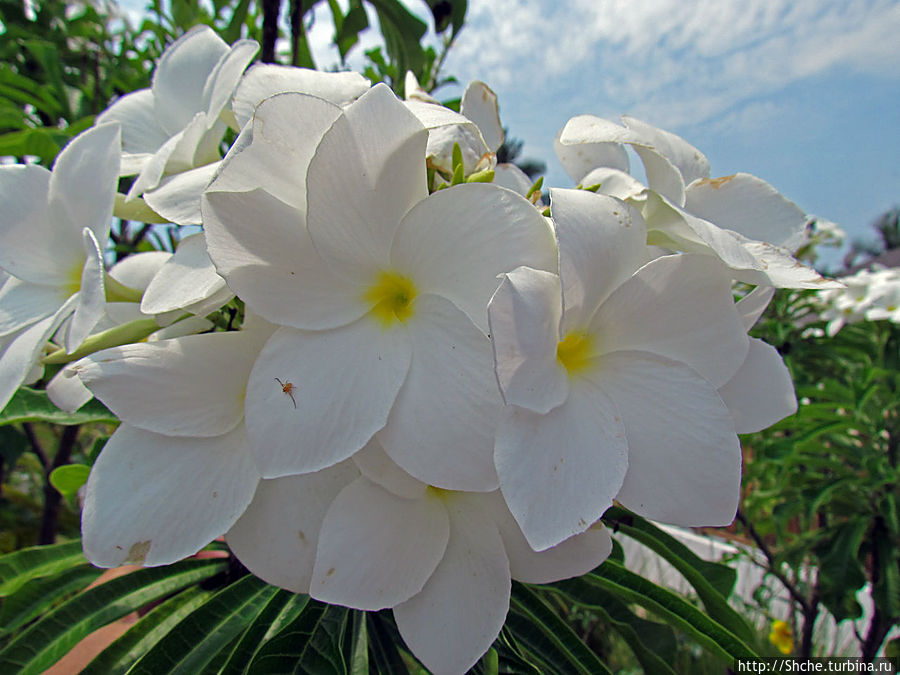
pixel 802 93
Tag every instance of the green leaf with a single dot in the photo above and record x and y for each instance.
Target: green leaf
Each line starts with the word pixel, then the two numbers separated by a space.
pixel 312 643
pixel 840 573
pixel 383 637
pixel 120 656
pixel 544 634
pixel 35 596
pixel 12 444
pixel 670 607
pixel 359 658
pixel 16 569
pixel 447 13
pixel 232 32
pixel 281 608
pixel 698 572
pixel 69 478
pixel 199 639
pixel 31 405
pixel 45 642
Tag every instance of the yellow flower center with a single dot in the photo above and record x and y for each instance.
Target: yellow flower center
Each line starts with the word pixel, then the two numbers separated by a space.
pixel 392 298
pixel 576 352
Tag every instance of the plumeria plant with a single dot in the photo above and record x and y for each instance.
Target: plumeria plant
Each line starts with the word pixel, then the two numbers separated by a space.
pixel 414 393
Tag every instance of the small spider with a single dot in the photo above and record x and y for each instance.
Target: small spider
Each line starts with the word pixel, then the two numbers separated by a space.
pixel 288 389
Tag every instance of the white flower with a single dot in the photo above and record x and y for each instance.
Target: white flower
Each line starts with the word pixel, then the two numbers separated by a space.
pixel 171 131
pixel 609 372
pixel 741 219
pixel 53 230
pixel 178 472
pixel 380 289
pixel 442 560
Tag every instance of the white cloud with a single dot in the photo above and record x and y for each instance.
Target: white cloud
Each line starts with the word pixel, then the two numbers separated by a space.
pixel 671 61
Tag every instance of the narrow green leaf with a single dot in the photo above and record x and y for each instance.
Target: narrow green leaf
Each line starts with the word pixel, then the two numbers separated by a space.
pixel 485 176
pixel 257 633
pixel 35 596
pixel 29 563
pixel 198 639
pixel 359 659
pixel 232 31
pixel 312 643
pixel 45 642
pixel 384 657
pixel 121 655
pixel 457 157
pixel 840 573
pixel 651 662
pixel 536 187
pixel 69 478
pixel 31 405
pixel 701 574
pixel 675 610
pixel 540 630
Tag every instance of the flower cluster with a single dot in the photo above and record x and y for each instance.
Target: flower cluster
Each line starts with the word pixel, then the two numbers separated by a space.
pixel 869 295
pixel 435 385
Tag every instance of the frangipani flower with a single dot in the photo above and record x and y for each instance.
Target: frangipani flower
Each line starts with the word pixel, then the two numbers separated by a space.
pixel 54 227
pixel 741 219
pixel 442 560
pixel 178 472
pixel 609 372
pixel 380 290
pixel 175 126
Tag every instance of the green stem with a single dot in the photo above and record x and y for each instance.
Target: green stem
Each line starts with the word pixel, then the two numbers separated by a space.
pixel 119 335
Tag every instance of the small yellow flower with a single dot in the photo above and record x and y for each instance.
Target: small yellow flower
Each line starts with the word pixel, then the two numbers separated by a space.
pixel 781 637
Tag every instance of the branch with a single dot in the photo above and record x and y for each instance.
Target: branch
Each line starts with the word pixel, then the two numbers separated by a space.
pixel 271 10
pixel 52 498
pixel 773 568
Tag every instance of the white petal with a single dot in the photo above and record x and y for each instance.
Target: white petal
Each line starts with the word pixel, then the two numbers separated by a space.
pixel 84 181
pixel 19 352
pixel 761 391
pixel 559 472
pixel 512 178
pixel 376 465
pixel 780 269
pixel 142 134
pixel 750 206
pixel 22 303
pixel 276 538
pixel 178 197
pixel 690 162
pixel 181 75
pixel 376 549
pixel 479 104
pixel 524 317
pixel 35 248
pixel 602 242
pixel 615 183
pixel 681 307
pixel 221 83
pixel 153 169
pixel 190 386
pixel 152 500
pixel 685 232
pixel 136 271
pixel 91 296
pixel 588 142
pixel 187 277
pixel 662 176
pixel 752 305
pixel 368 171
pixel 275 150
pixel 467 597
pixel 264 80
pixel 66 391
pixel 261 247
pixel 575 556
pixel 349 373
pixel 457 241
pixel 684 459
pixel 441 428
